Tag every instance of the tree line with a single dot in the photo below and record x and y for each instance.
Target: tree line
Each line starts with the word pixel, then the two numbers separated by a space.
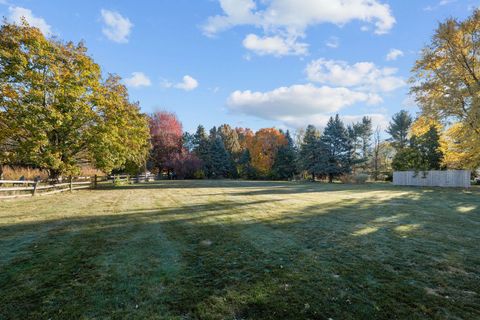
pixel 58 112
pixel 269 153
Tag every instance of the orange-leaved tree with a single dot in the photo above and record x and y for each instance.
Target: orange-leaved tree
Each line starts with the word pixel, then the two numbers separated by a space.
pixel 263 148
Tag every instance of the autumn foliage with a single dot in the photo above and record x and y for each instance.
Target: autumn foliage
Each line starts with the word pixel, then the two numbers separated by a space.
pixel 166 137
pixel 263 147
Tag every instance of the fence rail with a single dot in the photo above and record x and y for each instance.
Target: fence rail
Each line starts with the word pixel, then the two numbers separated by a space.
pixel 433 178
pixel 28 188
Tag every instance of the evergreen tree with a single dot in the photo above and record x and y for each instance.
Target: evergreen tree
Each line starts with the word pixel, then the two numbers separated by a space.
pixel 431 149
pixel 230 140
pixel 188 141
pixel 219 162
pixel 201 148
pixel 423 153
pixel 336 145
pixel 365 135
pixel 310 151
pixel 398 129
pixel 246 170
pixel 354 132
pixel 284 166
pixel 408 158
pixel 232 145
pixel 218 165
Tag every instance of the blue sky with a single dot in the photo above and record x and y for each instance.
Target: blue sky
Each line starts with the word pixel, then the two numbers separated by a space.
pixel 253 63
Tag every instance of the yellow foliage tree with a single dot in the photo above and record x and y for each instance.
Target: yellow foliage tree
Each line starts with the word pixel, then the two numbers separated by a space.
pixel 446 82
pixel 263 148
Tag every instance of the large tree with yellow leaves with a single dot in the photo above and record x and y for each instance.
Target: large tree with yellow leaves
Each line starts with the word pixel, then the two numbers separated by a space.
pixel 446 85
pixel 56 111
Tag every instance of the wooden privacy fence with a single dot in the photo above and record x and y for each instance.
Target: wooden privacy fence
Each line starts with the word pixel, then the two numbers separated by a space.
pixel 29 188
pixel 433 178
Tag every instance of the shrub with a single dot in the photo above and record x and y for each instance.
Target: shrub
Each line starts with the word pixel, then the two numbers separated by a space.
pixel 346 178
pixel 359 178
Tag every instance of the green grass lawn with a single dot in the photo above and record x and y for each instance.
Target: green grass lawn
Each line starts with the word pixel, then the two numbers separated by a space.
pixel 242 250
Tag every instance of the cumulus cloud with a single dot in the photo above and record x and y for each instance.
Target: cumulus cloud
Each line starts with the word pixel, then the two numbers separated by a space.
pixel 394 54
pixel 363 76
pixel 302 100
pixel 285 21
pixel 188 83
pixel 295 16
pixel 275 45
pixel 116 27
pixel 17 13
pixel 138 79
pixel 341 86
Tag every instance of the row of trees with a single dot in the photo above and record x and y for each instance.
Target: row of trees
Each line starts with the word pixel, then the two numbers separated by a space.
pixel 227 152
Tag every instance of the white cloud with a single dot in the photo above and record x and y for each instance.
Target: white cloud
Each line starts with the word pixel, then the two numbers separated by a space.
pixel 295 16
pixel 17 13
pixel 275 45
pixel 295 102
pixel 188 83
pixel 363 76
pixel 138 79
pixel 441 3
pixel 333 42
pixel 342 86
pixel 116 27
pixel 394 54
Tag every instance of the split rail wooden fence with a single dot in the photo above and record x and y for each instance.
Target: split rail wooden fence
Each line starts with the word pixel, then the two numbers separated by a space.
pixel 28 188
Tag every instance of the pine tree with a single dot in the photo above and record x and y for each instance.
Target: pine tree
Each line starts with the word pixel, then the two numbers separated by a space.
pixel 365 134
pixel 431 148
pixel 336 158
pixel 354 132
pixel 247 171
pixel 398 129
pixel 422 154
pixel 230 140
pixel 310 151
pixel 201 148
pixel 284 166
pixel 219 164
pixel 232 145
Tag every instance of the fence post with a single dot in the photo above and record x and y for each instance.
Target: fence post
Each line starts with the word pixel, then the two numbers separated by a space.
pixel 35 187
pixel 95 182
pixel 71 186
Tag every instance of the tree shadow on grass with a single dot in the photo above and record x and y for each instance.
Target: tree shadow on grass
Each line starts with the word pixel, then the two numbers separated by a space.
pixel 400 257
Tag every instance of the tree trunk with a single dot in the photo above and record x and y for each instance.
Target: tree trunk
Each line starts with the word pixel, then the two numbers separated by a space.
pixel 313 176
pixel 1 172
pixel 54 175
pixel 330 178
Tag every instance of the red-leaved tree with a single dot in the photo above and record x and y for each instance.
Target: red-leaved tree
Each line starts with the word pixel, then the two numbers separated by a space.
pixel 166 137
pixel 185 165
